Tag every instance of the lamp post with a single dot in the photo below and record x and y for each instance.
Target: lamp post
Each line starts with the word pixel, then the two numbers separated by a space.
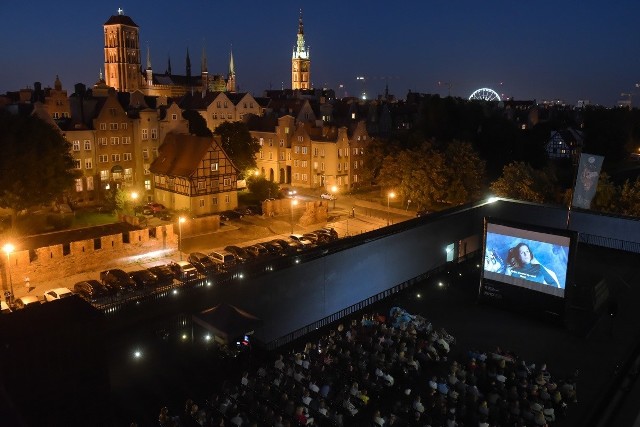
pixel 8 248
pixel 134 198
pixel 390 195
pixel 294 202
pixel 334 190
pixel 180 221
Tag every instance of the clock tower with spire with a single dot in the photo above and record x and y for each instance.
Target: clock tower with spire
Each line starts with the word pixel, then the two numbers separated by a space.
pixel 122 53
pixel 301 62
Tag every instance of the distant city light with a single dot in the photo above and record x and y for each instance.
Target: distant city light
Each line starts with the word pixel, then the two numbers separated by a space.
pixel 137 354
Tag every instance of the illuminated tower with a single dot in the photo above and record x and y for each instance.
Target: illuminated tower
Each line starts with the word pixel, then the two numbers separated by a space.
pixel 231 77
pixel 122 53
pixel 300 63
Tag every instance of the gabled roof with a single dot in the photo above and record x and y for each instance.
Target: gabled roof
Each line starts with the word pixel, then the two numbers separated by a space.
pixel 180 155
pixel 196 100
pixel 261 124
pixel 120 19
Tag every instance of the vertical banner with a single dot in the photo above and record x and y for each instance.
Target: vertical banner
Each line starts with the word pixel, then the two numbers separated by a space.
pixel 586 180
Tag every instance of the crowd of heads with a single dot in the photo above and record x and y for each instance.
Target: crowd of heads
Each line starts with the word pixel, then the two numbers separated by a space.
pixel 386 370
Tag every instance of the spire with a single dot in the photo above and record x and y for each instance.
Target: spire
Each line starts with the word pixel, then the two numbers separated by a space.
pixel 188 67
pixel 58 84
pixel 148 57
pixel 168 71
pixel 203 60
pixel 100 76
pixel 300 25
pixel 232 67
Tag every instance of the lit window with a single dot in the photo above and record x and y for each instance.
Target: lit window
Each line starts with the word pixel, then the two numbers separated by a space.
pixel 104 175
pixel 147 183
pixel 79 185
pixel 261 141
pixel 214 167
pixel 89 183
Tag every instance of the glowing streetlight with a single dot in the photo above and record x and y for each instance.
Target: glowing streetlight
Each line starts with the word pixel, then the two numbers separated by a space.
pixel 390 195
pixel 294 202
pixel 180 221
pixel 134 199
pixel 8 248
pixel 334 190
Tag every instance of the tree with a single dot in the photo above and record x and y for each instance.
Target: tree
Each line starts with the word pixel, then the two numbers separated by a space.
pixel 239 145
pixel 36 165
pixel 261 187
pixel 373 160
pixel 197 123
pixel 464 172
pixel 629 198
pixel 520 181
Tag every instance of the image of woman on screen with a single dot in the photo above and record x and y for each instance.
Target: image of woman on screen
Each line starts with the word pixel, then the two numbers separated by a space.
pixel 523 264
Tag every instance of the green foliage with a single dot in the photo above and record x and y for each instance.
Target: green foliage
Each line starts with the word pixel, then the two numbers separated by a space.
pixel 114 199
pixel 261 188
pixel 59 222
pixel 36 163
pixel 629 201
pixel 197 123
pixel 237 142
pixel 464 172
pixel 522 182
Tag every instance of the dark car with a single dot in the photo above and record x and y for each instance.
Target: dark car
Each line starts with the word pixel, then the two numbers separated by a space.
pixel 331 232
pixel 144 278
pixel 229 215
pixel 316 238
pixel 91 290
pixel 274 248
pixel 257 250
pixel 243 211
pixel 117 280
pixel 183 270
pixel 240 254
pixel 288 247
pixel 301 240
pixel 163 273
pixel 254 209
pixel 155 207
pixel 203 263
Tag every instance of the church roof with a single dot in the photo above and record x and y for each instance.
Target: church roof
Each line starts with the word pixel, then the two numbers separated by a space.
pixel 180 155
pixel 120 19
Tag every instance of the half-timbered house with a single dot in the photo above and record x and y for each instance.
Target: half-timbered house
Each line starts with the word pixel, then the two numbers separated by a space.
pixel 194 173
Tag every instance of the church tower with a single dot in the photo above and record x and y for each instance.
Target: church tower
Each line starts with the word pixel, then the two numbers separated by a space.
pixel 300 63
pixel 231 77
pixel 122 53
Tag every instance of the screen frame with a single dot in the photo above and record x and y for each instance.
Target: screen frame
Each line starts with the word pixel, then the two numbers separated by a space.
pixel 532 295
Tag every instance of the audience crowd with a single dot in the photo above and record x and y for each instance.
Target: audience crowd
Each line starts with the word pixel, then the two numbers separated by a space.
pixel 394 370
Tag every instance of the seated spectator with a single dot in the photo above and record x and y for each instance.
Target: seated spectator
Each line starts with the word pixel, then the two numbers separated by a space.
pixel 417 404
pixel 279 363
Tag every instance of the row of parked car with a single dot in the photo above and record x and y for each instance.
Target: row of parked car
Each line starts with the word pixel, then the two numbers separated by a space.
pixel 115 282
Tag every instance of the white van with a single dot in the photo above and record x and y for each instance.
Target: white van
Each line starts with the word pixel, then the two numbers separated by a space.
pixel 223 257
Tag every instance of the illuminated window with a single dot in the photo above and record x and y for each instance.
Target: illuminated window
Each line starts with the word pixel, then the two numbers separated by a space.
pixel 79 185
pixel 89 183
pixel 104 176
pixel 147 184
pixel 214 167
pixel 261 141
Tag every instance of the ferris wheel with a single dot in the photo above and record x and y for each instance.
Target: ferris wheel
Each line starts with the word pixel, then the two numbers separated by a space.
pixel 484 94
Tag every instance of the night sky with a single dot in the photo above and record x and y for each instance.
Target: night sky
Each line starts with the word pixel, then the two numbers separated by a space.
pixel 541 50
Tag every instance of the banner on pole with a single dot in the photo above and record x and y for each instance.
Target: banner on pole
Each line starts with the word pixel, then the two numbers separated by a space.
pixel 587 180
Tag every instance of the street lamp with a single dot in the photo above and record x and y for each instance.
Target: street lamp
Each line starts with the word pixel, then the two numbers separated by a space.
pixel 390 195
pixel 294 202
pixel 134 198
pixel 334 190
pixel 8 248
pixel 180 221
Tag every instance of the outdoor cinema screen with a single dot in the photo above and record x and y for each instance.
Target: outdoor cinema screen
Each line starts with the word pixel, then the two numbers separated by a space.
pixel 526 258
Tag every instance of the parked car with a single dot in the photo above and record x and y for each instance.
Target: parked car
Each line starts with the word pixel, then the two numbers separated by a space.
pixel 57 293
pixel 203 263
pixel 4 308
pixel 274 248
pixel 257 250
pixel 318 238
pixel 90 290
pixel 155 207
pixel 117 280
pixel 328 196
pixel 163 273
pixel 227 259
pixel 300 239
pixel 287 247
pixel 243 211
pixel 331 232
pixel 27 302
pixel 229 215
pixel 144 278
pixel 239 254
pixel 255 209
pixel 183 270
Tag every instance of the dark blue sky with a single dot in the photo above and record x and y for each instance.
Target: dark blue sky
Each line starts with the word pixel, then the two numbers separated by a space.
pixel 566 50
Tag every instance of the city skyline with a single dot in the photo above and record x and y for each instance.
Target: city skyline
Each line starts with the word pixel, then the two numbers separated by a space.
pixel 553 52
